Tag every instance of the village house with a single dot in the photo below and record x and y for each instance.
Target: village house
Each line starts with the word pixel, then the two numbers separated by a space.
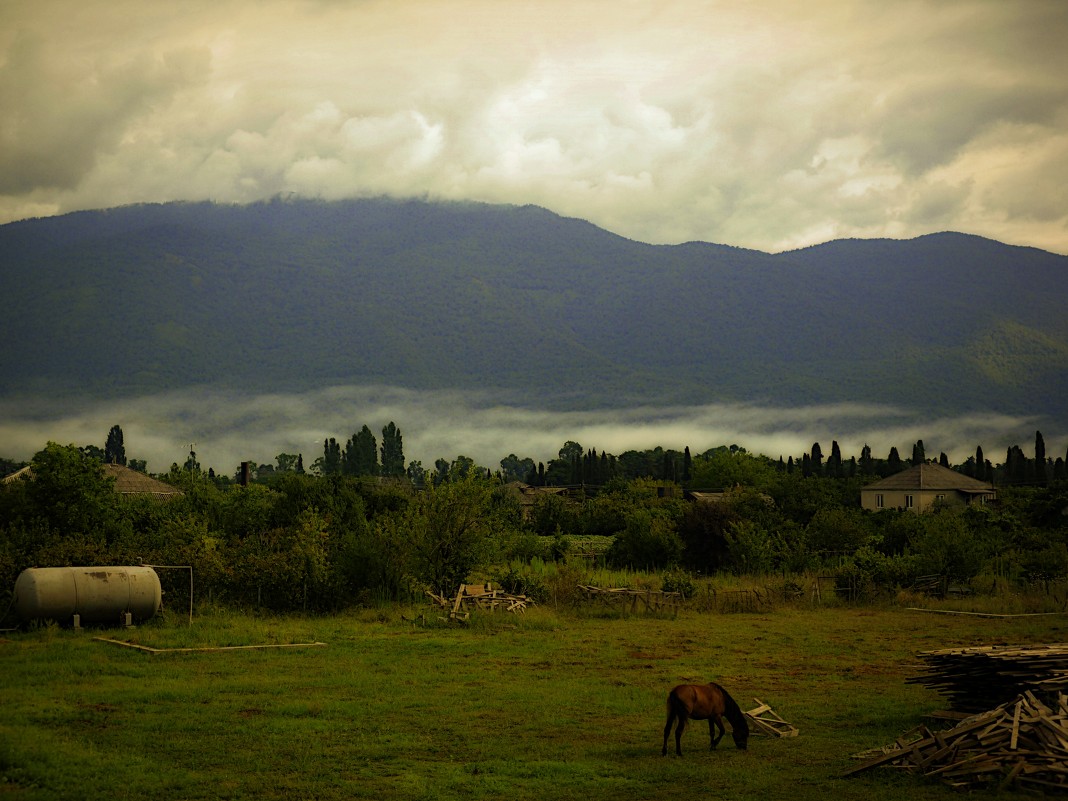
pixel 923 487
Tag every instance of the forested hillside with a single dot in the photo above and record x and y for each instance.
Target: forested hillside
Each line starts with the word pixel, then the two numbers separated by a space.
pixel 304 294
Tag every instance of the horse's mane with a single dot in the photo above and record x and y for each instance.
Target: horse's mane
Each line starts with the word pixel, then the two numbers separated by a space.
pixel 734 714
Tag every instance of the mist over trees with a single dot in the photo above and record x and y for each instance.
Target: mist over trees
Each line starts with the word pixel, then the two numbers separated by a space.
pixel 357 526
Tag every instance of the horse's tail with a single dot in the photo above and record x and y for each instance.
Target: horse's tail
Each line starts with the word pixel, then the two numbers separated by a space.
pixel 733 713
pixel 675 706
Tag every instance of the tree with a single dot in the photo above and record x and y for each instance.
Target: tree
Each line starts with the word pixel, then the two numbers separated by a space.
pixel 515 469
pixel 867 464
pixel 416 474
pixel 361 454
pixel 331 457
pixel 114 450
pixel 450 527
pixel 392 451
pixel 286 462
pixel 70 491
pixel 1041 474
pixel 919 456
pixel 834 462
pixel 817 459
pixel 893 461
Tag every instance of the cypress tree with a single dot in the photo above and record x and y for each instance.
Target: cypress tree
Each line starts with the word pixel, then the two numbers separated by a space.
pixel 867 464
pixel 816 460
pixel 893 461
pixel 834 463
pixel 114 450
pixel 918 454
pixel 1040 458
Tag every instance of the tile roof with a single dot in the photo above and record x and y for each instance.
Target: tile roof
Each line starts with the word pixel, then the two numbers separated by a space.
pixel 127 481
pixel 932 477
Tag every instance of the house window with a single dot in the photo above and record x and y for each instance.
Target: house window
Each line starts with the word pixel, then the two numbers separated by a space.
pixel 878 501
pixel 940 497
pixel 908 501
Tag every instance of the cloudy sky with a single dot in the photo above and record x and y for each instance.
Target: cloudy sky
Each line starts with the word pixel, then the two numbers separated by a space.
pixel 770 124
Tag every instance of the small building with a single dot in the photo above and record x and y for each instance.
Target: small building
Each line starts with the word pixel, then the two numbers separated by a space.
pixel 127 482
pixel 528 495
pixel 923 487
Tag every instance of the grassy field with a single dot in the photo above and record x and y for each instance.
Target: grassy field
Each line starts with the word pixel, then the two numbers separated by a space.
pixel 395 706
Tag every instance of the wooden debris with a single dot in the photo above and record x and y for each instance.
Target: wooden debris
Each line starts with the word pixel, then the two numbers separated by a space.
pixel 764 720
pixel 480 596
pixel 635 600
pixel 1022 744
pixel 981 678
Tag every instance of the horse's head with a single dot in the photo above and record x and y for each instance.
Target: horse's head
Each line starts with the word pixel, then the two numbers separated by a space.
pixel 739 729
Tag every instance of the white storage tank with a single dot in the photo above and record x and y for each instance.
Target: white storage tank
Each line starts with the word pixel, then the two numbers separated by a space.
pixel 94 594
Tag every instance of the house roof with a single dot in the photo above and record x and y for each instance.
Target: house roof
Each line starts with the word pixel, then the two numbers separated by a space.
pixel 127 481
pixel 132 482
pixel 931 477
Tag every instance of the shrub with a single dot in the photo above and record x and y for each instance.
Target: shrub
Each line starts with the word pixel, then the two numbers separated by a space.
pixel 649 541
pixel 679 581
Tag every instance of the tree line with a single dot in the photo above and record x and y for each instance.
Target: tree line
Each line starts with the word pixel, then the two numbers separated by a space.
pixel 362 455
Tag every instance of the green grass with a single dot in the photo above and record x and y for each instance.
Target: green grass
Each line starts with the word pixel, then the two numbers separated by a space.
pixel 399 705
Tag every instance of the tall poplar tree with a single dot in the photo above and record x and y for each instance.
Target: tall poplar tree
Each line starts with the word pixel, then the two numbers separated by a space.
pixel 331 457
pixel 1041 474
pixel 392 451
pixel 114 450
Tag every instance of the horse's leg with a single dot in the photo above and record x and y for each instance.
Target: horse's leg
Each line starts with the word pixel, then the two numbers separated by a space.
pixel 667 729
pixel 714 723
pixel 678 734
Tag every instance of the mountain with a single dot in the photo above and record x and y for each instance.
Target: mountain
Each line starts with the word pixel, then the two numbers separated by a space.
pixel 292 295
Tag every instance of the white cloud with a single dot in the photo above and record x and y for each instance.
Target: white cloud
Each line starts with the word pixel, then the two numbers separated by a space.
pixel 766 125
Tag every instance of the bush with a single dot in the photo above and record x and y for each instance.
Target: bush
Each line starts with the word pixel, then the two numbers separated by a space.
pixel 679 581
pixel 648 542
pixel 519 582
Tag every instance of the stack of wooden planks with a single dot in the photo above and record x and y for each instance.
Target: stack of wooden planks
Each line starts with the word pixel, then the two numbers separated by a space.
pixel 1023 743
pixel 480 596
pixel 977 679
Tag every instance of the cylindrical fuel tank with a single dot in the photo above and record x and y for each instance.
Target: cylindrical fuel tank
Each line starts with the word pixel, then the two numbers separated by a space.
pixel 96 594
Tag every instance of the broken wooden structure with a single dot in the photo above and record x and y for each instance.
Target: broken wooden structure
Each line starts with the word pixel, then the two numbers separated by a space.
pixel 634 600
pixel 1021 744
pixel 480 596
pixel 763 719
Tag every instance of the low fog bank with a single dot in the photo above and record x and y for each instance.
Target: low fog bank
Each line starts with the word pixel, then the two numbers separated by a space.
pixel 226 428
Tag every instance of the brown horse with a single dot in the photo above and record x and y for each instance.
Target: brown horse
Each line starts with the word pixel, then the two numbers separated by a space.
pixel 704 702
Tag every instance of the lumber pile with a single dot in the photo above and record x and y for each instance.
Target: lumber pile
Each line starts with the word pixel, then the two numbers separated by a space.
pixel 480 596
pixel 977 679
pixel 1021 744
pixel 764 720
